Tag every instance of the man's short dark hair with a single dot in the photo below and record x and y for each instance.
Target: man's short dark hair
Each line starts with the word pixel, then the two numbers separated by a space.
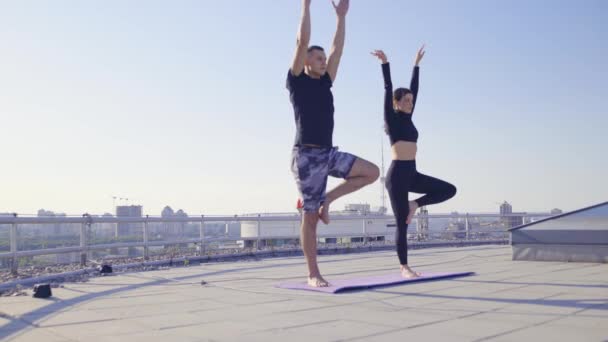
pixel 315 47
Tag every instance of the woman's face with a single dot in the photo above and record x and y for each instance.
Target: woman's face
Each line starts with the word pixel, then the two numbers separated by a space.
pixel 406 104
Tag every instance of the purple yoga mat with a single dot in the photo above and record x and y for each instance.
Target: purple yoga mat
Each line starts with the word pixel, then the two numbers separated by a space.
pixel 340 285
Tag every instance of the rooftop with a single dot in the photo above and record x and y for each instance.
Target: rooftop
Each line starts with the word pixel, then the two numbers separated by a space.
pixel 505 301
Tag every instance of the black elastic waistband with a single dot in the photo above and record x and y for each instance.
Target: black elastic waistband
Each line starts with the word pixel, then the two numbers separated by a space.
pixel 405 162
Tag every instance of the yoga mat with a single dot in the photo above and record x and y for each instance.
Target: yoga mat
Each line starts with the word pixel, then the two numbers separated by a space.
pixel 341 285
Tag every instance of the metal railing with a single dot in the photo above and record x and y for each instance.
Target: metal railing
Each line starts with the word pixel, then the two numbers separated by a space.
pixel 86 221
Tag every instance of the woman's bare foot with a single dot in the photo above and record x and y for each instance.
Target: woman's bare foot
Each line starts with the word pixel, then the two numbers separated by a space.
pixel 413 207
pixel 408 273
pixel 317 281
pixel 324 213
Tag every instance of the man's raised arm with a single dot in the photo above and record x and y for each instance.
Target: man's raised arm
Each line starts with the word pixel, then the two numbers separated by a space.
pixel 297 66
pixel 338 45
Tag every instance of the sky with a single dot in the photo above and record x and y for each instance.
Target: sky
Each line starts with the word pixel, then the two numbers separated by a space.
pixel 183 103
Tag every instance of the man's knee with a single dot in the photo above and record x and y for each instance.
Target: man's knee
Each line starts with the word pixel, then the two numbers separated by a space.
pixel 373 173
pixel 310 219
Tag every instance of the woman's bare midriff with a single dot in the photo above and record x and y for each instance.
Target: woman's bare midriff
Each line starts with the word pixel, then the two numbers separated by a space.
pixel 404 150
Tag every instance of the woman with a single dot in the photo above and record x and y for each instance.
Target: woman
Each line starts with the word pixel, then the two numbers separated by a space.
pixel 402 176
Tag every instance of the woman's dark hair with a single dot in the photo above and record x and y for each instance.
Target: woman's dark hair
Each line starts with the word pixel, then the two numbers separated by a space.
pixel 398 94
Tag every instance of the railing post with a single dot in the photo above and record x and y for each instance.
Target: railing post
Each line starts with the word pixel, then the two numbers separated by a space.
pixel 365 229
pixel 83 239
pixel 202 235
pixel 466 225
pixel 146 249
pixel 259 230
pixel 13 237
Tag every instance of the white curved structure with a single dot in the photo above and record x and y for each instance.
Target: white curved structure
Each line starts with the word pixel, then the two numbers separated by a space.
pixel 353 226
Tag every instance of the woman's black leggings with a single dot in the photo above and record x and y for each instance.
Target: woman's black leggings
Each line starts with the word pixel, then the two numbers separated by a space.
pixel 402 178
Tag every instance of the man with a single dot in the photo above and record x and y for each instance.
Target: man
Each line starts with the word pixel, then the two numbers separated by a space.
pixel 314 157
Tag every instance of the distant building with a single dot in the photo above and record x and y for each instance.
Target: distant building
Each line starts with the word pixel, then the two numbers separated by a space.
pixel 355 230
pixel 456 230
pixel 53 228
pixel 422 224
pixel 167 228
pixel 505 208
pixel 105 229
pixel 181 226
pixel 126 228
pixel 173 229
pixel 507 217
pixel 357 208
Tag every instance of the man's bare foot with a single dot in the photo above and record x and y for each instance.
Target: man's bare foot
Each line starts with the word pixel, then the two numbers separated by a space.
pixel 413 207
pixel 324 213
pixel 408 273
pixel 317 281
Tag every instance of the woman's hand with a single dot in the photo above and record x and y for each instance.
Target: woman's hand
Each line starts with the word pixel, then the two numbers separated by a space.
pixel 419 55
pixel 381 56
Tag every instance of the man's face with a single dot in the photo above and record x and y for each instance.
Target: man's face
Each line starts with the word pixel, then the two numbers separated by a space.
pixel 317 62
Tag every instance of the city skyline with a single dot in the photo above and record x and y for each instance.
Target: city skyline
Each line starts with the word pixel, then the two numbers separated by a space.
pixel 168 211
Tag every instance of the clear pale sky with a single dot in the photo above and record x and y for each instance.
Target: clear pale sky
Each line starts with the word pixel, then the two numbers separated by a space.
pixel 184 102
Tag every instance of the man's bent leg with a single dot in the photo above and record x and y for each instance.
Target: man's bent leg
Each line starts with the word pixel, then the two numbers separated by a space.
pixel 361 174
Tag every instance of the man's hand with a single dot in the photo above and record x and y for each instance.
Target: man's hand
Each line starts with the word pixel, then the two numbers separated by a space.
pixel 341 8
